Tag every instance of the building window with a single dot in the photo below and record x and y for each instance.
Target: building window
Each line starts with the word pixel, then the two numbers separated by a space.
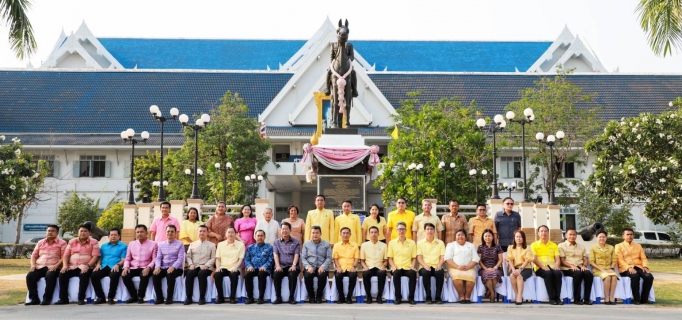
pixel 569 170
pixel 91 166
pixel 282 152
pixel 567 219
pixel 383 151
pixel 510 167
pixel 53 166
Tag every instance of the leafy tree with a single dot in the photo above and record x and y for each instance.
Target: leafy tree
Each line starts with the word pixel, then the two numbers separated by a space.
pixel 13 13
pixel 661 20
pixel 428 134
pixel 638 159
pixel 594 208
pixel 147 171
pixel 112 217
pixel 76 210
pixel 558 105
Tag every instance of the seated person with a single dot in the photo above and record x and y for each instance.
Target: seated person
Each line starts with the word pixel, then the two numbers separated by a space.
pixel 286 255
pixel 200 259
pixel 373 259
pixel 574 264
pixel 316 256
pixel 111 264
pixel 490 255
pixel 346 255
pixel 80 257
pixel 402 257
pixel 632 262
pixel 170 260
pixel 140 259
pixel 547 264
pixel 520 257
pixel 46 261
pixel 430 256
pixel 258 262
pixel 604 263
pixel 229 257
pixel 462 259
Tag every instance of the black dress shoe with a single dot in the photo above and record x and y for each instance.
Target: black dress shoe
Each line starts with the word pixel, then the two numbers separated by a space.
pixel 169 301
pixel 111 301
pixel 100 301
pixel 439 301
pixel 62 302
pixel 559 302
pixel 187 302
pixel 219 300
pixel 319 300
pixel 349 301
pixel 519 303
pixel 202 301
pixel 140 300
pixel 33 302
pixel 398 301
pixel 635 302
pixel 131 300
pixel 462 301
pixel 159 301
pixel 341 300
pixel 552 302
pixel 368 300
pixel 578 302
pixel 249 301
pixel 428 301
pixel 412 302
pixel 233 300
pixel 380 301
pixel 587 302
pixel 261 301
pixel 292 301
pixel 81 302
pixel 277 301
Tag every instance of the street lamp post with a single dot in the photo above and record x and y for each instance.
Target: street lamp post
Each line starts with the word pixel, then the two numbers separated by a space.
pixel 254 181
pixel 128 136
pixel 156 113
pixel 199 124
pixel 442 166
pixel 509 187
pixel 416 167
pixel 529 117
pixel 160 185
pixel 227 168
pixel 550 141
pixel 475 174
pixel 499 125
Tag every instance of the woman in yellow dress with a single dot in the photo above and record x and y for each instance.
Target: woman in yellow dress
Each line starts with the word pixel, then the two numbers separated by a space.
pixel 189 228
pixel 603 262
pixel 520 258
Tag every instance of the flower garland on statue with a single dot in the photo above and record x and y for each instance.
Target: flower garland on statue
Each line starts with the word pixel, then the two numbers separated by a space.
pixel 341 85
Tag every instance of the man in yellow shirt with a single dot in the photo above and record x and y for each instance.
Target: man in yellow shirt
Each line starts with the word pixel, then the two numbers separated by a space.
pixel 402 255
pixel 345 255
pixel 349 220
pixel 399 215
pixel 547 265
pixel 321 217
pixel 421 220
pixel 430 256
pixel 574 262
pixel 632 263
pixel 373 259
pixel 228 258
pixel 479 223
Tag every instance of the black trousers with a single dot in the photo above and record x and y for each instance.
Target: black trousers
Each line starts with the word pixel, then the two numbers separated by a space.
pixel 426 279
pixel 170 281
pixel 552 282
pixel 578 278
pixel 203 281
pixel 50 283
pixel 411 275
pixel 130 285
pixel 352 280
pixel 504 248
pixel 262 281
pixel 309 283
pixel 293 278
pixel 97 277
pixel 82 285
pixel 634 284
pixel 367 281
pixel 234 278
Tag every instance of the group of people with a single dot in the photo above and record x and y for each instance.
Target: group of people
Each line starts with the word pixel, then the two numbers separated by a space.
pixel 404 244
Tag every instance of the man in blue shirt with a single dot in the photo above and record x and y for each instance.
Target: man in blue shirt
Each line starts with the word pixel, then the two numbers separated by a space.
pixel 258 262
pixel 507 222
pixel 113 255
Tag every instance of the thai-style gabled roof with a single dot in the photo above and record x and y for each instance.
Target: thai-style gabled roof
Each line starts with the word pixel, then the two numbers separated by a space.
pixel 569 51
pixel 80 50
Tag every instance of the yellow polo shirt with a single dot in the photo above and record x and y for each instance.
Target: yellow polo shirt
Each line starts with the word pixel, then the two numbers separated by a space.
pixel 324 219
pixel 374 254
pixel 351 221
pixel 402 253
pixel 346 253
pixel 476 227
pixel 392 222
pixel 229 254
pixel 421 220
pixel 546 253
pixel 431 251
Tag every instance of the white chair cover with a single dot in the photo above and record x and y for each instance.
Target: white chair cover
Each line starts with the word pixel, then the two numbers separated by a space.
pixel 598 290
pixel 374 289
pixel 106 282
pixel 567 290
pixel 541 294
pixel 241 291
pixel 420 293
pixel 195 291
pixel 334 294
pixel 528 289
pixel 454 297
pixel 73 290
pixel 480 289
pixel 149 293
pixel 404 288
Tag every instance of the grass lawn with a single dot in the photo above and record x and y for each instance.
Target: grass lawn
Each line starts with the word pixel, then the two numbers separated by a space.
pixel 13 292
pixel 14 266
pixel 672 265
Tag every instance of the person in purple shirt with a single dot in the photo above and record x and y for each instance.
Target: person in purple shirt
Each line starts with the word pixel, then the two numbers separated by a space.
pixel 287 252
pixel 170 260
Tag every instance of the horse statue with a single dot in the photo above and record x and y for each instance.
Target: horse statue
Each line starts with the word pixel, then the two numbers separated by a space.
pixel 341 82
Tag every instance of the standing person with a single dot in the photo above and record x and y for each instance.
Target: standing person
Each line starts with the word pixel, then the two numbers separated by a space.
pixel 462 258
pixel 574 262
pixel 490 255
pixel 189 229
pixel 321 217
pixel 218 223
pixel 111 264
pixel 350 220
pixel 547 264
pixel 373 259
pixel 258 262
pixel 422 219
pixel 46 261
pixel 316 256
pixel 200 259
pixel 604 263
pixel 633 263
pixel 480 223
pixel 286 254
pixel 506 222
pixel 430 256
pixel 229 257
pixel 140 259
pixel 297 224
pixel 374 220
pixel 160 223
pixel 400 214
pixel 402 257
pixel 80 257
pixel 453 222
pixel 170 259
pixel 269 226
pixel 346 255
pixel 245 226
pixel 520 257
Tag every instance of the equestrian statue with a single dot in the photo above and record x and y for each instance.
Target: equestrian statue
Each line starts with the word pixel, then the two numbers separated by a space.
pixel 341 82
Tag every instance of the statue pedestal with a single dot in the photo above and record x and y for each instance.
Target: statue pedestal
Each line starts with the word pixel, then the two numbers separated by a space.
pixel 338 140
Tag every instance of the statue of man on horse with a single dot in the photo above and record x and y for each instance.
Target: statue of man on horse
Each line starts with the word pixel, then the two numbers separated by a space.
pixel 341 83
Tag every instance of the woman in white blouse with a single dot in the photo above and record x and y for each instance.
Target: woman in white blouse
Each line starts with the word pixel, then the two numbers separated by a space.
pixel 462 258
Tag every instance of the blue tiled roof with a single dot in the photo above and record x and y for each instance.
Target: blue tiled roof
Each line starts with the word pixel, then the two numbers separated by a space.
pixel 450 56
pixel 109 102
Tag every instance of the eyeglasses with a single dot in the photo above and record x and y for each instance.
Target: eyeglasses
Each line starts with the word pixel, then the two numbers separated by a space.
pixel 509 203
pixel 401 229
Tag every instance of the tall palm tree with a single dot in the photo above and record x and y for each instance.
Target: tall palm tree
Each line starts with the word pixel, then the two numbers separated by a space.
pixel 661 20
pixel 13 13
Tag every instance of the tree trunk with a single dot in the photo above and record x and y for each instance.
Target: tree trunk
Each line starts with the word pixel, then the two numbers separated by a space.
pixel 18 236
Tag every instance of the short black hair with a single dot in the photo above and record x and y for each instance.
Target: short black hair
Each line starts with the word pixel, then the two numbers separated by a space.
pixel 115 229
pixel 344 228
pixel 52 226
pixel 259 230
pixel 85 226
pixel 316 228
pixel 349 202
pixel 373 227
pixel 286 224
pixel 629 229
pixel 429 224
pixel 453 200
pixel 481 205
pixel 204 226
pixel 602 231
pixel 319 195
pixel 141 226
pixel 172 226
pixel 165 202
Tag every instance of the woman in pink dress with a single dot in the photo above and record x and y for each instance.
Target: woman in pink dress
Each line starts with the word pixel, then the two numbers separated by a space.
pixel 245 226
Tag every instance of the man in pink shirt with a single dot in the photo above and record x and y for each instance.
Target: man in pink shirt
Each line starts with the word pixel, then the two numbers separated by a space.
pixel 158 228
pixel 139 262
pixel 80 257
pixel 46 261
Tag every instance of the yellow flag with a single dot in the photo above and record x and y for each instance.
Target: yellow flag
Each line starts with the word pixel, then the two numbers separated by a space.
pixel 394 134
